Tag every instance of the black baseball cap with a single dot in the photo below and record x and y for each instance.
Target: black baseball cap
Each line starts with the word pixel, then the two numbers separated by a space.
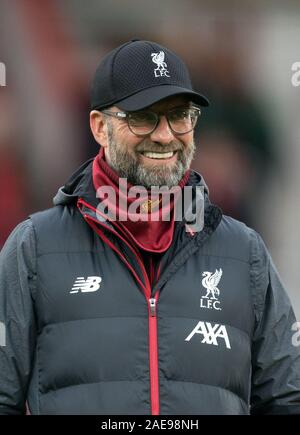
pixel 138 74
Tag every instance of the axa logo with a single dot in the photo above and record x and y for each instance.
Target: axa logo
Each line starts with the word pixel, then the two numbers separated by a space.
pixel 159 59
pixel 210 333
pixel 91 284
pixel 210 283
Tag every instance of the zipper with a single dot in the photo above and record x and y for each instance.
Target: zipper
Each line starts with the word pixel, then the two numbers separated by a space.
pixel 152 306
pixel 153 356
pixel 151 302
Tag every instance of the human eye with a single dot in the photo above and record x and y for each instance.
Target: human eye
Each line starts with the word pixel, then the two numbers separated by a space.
pixel 139 118
pixel 179 114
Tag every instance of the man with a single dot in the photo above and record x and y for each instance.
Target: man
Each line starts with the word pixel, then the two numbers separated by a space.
pixel 105 312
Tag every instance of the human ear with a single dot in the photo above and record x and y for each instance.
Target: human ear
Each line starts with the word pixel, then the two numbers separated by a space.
pixel 99 127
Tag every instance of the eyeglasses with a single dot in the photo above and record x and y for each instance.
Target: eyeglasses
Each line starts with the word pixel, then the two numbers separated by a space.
pixel 181 120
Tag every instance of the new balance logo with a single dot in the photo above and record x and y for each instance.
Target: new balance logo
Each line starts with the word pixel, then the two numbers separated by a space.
pixel 210 333
pixel 91 284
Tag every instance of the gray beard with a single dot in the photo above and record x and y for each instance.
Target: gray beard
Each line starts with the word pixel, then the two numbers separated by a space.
pixel 128 166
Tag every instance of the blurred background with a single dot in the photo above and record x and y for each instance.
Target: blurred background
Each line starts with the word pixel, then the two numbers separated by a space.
pixel 240 54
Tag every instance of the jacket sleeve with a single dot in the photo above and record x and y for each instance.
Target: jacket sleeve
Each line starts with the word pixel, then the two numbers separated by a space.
pixel 275 349
pixel 17 322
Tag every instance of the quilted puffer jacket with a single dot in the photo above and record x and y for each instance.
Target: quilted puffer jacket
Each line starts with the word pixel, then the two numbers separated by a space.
pixel 85 331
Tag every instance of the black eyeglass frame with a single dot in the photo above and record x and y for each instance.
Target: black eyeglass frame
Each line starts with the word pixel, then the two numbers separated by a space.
pixel 122 115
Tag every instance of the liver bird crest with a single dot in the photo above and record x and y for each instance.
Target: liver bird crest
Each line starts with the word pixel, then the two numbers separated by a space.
pixel 159 59
pixel 210 282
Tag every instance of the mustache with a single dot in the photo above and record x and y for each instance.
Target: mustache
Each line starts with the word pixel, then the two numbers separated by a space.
pixel 148 145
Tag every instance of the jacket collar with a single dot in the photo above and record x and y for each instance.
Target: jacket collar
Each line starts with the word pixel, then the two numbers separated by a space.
pixel 80 185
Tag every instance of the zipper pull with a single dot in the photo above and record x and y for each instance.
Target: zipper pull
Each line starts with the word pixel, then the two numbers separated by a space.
pixel 152 306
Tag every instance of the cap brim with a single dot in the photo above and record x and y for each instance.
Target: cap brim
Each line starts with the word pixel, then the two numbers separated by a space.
pixel 150 96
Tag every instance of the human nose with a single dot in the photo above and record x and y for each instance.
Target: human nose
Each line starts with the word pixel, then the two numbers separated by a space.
pixel 162 133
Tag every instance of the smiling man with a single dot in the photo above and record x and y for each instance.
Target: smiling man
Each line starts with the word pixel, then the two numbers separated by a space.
pixel 123 315
pixel 152 147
